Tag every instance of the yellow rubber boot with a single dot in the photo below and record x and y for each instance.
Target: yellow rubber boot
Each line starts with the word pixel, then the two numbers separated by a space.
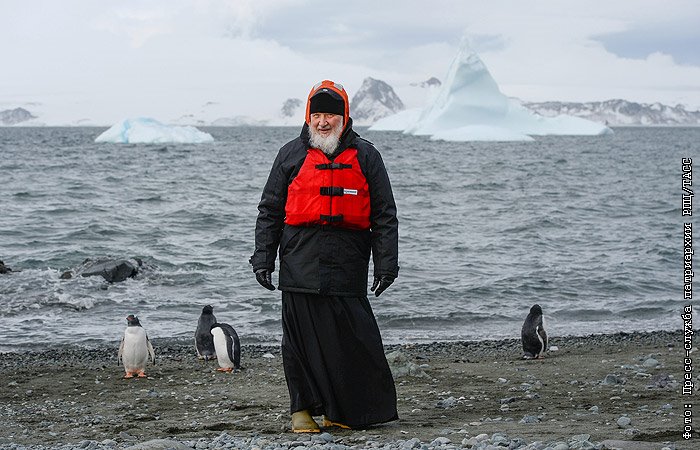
pixel 329 423
pixel 302 422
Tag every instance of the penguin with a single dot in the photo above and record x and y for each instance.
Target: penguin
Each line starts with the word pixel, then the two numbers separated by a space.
pixel 203 341
pixel 135 349
pixel 228 347
pixel 533 335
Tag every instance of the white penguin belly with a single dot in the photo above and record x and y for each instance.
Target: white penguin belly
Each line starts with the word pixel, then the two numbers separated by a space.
pixel 135 352
pixel 221 347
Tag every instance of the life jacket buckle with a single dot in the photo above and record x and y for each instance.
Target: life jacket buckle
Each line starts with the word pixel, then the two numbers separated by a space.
pixel 332 219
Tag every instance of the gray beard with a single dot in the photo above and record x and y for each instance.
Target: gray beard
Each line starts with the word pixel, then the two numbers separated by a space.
pixel 327 144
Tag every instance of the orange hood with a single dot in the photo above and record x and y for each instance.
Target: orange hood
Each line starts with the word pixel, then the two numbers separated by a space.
pixel 331 86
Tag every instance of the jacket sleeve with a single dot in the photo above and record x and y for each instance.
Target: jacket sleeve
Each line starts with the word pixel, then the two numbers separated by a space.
pixel 383 219
pixel 271 212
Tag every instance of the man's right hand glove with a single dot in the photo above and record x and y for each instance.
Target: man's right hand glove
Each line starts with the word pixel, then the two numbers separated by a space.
pixel 264 277
pixel 381 283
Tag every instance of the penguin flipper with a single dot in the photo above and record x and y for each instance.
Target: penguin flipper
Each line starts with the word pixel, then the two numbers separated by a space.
pixel 236 351
pixel 151 353
pixel 234 345
pixel 543 338
pixel 121 352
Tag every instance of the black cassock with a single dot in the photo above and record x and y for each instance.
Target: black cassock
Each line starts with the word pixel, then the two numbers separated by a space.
pixel 334 359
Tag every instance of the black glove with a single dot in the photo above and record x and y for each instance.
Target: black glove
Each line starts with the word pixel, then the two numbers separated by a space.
pixel 381 283
pixel 264 277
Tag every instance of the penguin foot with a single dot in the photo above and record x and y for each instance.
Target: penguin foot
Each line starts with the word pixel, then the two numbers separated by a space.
pixel 302 422
pixel 329 423
pixel 142 374
pixel 129 375
pixel 225 369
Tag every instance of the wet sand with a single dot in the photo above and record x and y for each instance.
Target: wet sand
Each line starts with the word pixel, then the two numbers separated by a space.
pixel 456 390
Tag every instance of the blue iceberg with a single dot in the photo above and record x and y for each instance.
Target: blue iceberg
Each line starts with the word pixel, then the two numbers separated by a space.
pixel 144 130
pixel 471 107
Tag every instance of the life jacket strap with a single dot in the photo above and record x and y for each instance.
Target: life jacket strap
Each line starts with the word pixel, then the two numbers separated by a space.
pixel 332 219
pixel 332 191
pixel 333 165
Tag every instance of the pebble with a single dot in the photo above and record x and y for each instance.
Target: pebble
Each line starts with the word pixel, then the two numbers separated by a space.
pixel 449 402
pixel 530 419
pixel 650 362
pixel 612 379
pixel 624 422
pixel 411 444
pixel 325 441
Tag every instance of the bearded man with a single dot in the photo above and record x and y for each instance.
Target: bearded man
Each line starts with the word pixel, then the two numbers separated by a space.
pixel 327 205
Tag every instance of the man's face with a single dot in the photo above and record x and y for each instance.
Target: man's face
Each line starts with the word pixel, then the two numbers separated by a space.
pixel 325 123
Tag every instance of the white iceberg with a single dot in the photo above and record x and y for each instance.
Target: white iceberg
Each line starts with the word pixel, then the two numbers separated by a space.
pixel 144 130
pixel 399 121
pixel 471 107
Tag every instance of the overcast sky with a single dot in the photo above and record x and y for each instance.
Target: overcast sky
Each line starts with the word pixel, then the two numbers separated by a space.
pixel 165 58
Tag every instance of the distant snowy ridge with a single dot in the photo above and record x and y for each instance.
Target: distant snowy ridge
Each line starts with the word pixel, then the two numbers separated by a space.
pixel 374 100
pixel 471 107
pixel 429 83
pixel 15 116
pixel 619 112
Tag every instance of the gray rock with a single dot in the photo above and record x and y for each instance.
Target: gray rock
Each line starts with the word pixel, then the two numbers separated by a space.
pixel 613 379
pixel 579 438
pixel 160 444
pixel 324 438
pixel 662 381
pixel 112 270
pixel 516 443
pixel 530 419
pixel 631 445
pixel 650 362
pixel 472 441
pixel 401 366
pixel 124 436
pixel 440 441
pixel 624 422
pixel 411 444
pixel 449 402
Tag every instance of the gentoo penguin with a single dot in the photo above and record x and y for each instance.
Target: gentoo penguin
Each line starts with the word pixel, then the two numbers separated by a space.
pixel 203 340
pixel 228 347
pixel 135 349
pixel 533 336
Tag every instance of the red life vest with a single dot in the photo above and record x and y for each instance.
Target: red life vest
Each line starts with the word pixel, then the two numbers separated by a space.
pixel 329 193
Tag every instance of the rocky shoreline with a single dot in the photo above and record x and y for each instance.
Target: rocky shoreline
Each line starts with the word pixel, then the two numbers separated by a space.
pixel 600 391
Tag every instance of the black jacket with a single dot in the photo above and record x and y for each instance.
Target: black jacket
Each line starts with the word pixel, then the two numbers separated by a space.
pixel 326 259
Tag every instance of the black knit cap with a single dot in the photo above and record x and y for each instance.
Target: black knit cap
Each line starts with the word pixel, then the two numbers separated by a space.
pixel 327 101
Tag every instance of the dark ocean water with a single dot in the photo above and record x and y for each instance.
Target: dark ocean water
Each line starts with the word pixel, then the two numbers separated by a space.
pixel 588 227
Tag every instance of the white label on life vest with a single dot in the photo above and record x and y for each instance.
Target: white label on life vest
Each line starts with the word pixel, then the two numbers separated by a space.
pixel 349 191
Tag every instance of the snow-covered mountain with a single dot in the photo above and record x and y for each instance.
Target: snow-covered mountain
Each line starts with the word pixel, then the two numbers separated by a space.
pixel 620 112
pixel 15 116
pixel 374 100
pixel 377 100
pixel 291 106
pixel 471 107
pixel 429 83
pixel 291 113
